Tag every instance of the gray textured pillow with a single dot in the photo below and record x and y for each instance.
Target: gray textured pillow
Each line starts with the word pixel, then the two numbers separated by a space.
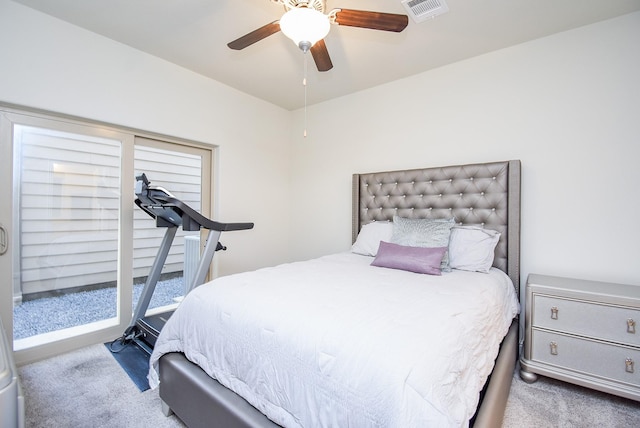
pixel 426 233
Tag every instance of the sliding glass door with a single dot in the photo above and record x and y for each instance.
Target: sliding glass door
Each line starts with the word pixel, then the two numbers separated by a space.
pixel 77 248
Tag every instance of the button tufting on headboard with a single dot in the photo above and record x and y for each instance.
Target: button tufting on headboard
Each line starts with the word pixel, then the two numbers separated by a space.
pixel 487 194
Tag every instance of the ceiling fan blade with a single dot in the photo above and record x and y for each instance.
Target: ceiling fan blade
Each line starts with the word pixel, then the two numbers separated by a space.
pixel 321 56
pixel 255 36
pixel 372 20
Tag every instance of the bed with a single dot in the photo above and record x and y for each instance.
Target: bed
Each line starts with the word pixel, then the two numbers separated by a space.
pixel 350 357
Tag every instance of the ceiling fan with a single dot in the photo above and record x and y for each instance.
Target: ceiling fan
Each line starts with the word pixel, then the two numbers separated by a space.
pixel 306 23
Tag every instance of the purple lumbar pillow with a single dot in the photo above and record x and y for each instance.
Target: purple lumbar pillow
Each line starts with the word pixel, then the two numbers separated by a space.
pixel 412 259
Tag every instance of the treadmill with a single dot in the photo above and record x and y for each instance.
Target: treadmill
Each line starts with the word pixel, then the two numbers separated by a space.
pixel 170 213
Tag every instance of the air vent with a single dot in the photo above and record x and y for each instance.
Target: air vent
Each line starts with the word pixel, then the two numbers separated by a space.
pixel 421 10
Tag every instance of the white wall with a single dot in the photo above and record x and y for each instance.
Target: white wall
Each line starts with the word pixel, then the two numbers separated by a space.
pixel 48 64
pixel 567 106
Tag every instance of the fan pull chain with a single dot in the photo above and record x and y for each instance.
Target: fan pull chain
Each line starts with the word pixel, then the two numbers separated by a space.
pixel 304 83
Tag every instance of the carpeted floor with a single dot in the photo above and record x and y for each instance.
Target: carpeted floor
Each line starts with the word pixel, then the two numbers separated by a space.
pixel 549 403
pixel 87 388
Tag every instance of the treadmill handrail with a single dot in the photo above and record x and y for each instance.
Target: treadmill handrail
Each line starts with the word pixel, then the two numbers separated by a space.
pixel 204 221
pixel 183 209
pixel 150 198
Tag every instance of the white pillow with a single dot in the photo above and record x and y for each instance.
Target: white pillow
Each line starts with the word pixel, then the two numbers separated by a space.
pixel 472 248
pixel 369 238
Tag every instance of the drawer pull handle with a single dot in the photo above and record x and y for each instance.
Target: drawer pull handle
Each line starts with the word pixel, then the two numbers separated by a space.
pixel 553 348
pixel 554 313
pixel 631 326
pixel 628 365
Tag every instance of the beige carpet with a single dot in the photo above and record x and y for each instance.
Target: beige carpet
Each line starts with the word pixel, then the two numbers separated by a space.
pixel 551 403
pixel 87 388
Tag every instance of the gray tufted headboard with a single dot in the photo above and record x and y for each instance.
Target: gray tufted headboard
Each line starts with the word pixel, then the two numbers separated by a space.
pixel 486 194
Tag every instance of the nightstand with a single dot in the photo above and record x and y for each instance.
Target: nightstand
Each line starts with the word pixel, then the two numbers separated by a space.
pixel 583 332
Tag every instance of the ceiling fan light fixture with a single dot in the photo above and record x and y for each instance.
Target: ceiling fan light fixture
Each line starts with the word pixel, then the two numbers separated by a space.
pixel 305 26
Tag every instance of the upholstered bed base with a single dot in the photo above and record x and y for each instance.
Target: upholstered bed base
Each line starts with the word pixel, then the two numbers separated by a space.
pixel 487 194
pixel 201 402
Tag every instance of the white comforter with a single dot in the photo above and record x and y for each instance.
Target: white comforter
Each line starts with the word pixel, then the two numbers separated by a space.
pixel 335 342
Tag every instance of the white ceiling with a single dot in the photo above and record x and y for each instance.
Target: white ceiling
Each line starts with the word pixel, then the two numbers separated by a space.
pixel 194 34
